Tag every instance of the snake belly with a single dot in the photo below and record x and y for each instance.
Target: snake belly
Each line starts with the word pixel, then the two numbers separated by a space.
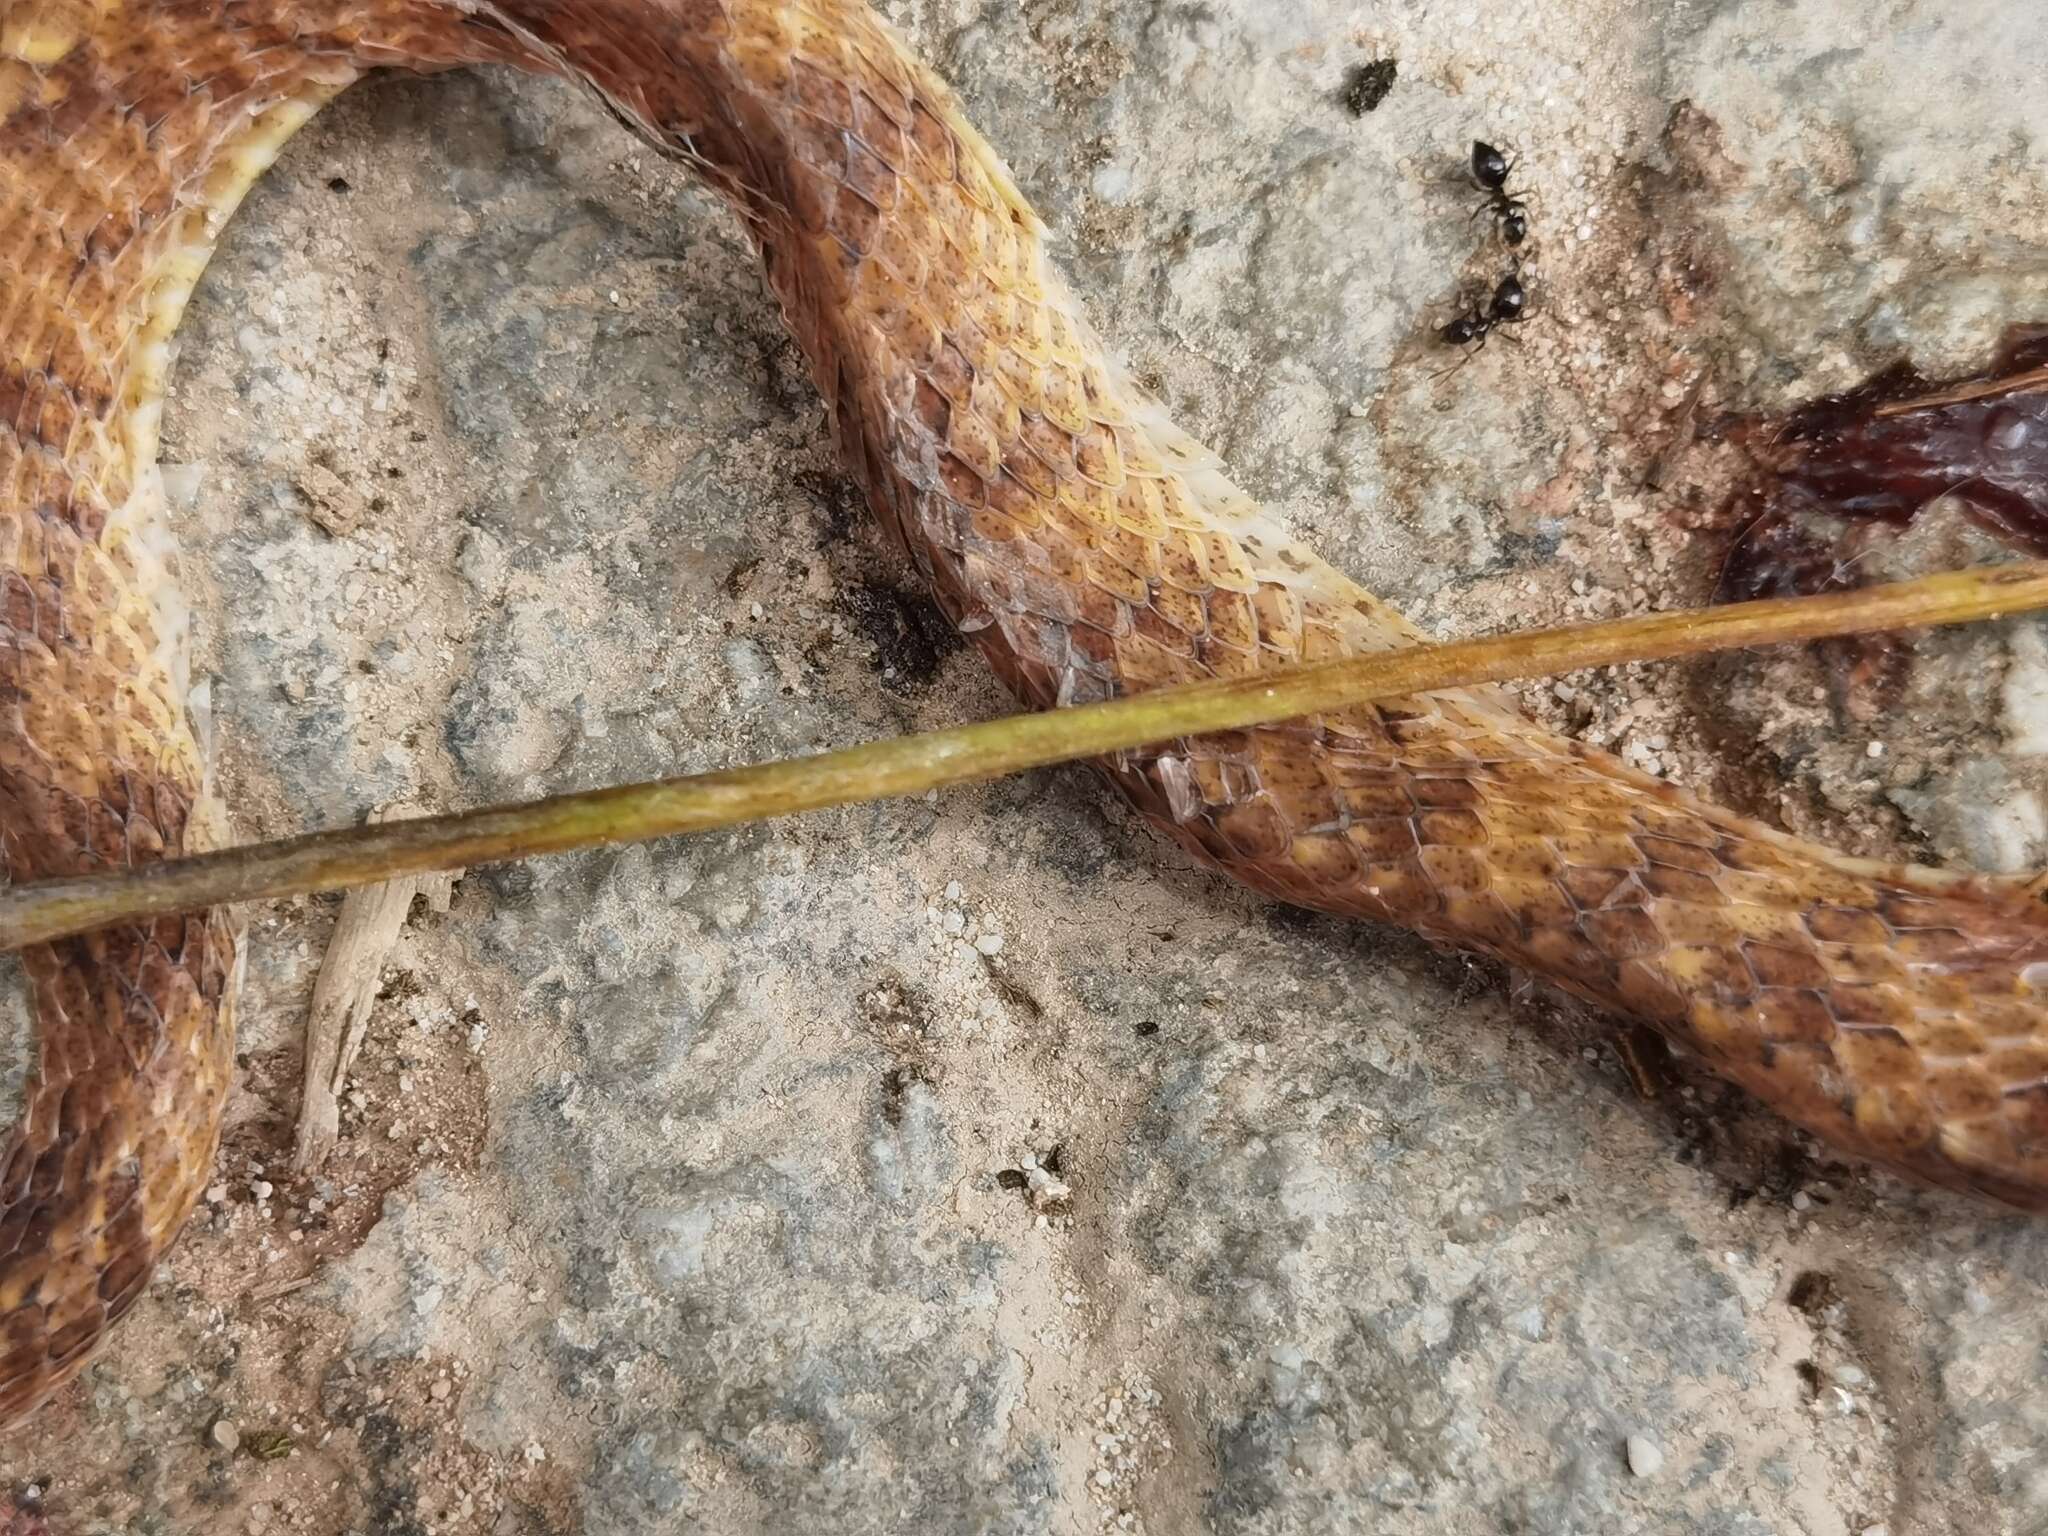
pixel 1060 519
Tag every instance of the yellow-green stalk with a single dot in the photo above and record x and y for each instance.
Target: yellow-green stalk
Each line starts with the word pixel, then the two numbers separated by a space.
pixel 911 765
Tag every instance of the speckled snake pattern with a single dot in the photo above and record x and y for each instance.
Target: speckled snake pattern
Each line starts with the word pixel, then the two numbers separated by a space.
pixel 1088 547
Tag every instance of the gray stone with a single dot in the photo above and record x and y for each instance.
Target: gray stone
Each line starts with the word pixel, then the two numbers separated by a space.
pixel 17 1038
pixel 1982 815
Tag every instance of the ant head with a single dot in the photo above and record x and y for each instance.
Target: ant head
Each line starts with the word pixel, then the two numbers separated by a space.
pixel 1514 224
pixel 1509 299
pixel 1464 329
pixel 1489 166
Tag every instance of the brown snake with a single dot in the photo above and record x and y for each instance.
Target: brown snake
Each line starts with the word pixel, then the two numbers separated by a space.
pixel 1088 546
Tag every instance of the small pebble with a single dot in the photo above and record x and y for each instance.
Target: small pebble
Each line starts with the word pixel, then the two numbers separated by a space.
pixel 1644 1459
pixel 225 1434
pixel 262 1189
pixel 990 943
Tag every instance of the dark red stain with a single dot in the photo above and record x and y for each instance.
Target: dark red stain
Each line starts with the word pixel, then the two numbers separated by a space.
pixel 1885 450
pixel 1834 475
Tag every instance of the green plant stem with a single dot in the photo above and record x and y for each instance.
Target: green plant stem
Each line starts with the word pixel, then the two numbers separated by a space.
pixel 911 765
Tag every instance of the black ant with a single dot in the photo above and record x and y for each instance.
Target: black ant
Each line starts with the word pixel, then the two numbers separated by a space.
pixel 1490 169
pixel 1508 306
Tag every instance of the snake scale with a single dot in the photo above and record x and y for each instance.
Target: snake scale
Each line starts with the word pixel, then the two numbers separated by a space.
pixel 1088 547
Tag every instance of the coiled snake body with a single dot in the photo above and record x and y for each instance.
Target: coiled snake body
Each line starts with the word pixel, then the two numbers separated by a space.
pixel 1088 546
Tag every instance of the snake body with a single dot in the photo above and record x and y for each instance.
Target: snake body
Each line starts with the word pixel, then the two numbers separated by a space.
pixel 1088 546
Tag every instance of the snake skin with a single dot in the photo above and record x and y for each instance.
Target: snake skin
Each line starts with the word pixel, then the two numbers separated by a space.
pixel 1087 546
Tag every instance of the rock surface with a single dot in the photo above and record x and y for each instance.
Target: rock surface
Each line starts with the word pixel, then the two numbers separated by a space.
pixel 746 1184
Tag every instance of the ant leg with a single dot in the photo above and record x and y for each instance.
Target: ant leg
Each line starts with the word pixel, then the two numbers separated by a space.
pixel 1495 204
pixel 1470 353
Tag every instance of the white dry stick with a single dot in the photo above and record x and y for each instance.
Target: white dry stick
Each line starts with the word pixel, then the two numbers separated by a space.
pixel 363 935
